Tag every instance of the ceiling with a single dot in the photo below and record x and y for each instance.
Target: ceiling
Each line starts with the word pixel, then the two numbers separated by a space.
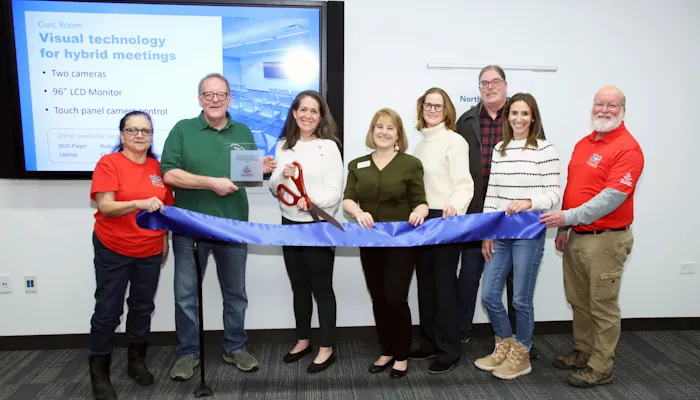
pixel 243 36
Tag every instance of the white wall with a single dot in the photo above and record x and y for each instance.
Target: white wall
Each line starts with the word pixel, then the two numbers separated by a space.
pixel 647 49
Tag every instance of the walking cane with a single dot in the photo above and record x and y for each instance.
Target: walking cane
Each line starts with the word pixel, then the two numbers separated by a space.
pixel 203 389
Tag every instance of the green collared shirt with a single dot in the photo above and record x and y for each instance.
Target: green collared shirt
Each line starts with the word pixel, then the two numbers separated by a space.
pixel 198 148
pixel 388 195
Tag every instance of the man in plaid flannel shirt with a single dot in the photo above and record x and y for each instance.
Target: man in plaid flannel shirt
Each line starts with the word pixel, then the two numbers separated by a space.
pixel 481 127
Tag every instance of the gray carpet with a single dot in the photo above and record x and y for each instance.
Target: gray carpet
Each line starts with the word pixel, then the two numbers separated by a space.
pixel 649 365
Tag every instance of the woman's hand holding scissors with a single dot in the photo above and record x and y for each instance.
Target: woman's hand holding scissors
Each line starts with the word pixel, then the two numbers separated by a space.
pixel 289 170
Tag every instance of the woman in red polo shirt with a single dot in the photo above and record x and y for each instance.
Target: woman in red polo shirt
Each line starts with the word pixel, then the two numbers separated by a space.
pixel 124 183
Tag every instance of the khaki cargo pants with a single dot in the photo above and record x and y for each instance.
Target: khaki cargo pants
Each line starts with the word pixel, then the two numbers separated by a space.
pixel 593 265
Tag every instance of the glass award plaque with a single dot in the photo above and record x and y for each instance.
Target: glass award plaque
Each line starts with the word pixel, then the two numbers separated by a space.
pixel 246 164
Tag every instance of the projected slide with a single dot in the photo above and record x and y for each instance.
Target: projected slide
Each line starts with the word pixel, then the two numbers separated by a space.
pixel 82 66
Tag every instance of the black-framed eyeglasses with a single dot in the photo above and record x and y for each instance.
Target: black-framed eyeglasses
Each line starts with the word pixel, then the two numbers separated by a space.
pixel 135 131
pixel 493 83
pixel 437 107
pixel 209 96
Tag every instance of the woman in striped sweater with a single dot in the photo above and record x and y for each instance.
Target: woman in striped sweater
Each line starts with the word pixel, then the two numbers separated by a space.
pixel 524 177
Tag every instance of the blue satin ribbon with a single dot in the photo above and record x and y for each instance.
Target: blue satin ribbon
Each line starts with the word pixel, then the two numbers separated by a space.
pixel 465 228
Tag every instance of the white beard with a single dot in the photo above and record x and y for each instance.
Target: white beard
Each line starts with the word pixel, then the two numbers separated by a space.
pixel 604 125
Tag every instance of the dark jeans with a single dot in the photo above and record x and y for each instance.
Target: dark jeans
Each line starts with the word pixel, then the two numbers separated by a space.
pixel 469 277
pixel 310 271
pixel 113 272
pixel 438 299
pixel 388 273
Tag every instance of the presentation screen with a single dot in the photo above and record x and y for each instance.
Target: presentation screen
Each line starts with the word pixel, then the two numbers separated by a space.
pixel 82 65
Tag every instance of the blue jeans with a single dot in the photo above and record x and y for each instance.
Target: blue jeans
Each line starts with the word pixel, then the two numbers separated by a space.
pixel 524 257
pixel 230 267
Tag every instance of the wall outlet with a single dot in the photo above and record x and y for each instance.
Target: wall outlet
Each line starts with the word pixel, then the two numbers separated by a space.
pixel 687 268
pixel 30 283
pixel 5 284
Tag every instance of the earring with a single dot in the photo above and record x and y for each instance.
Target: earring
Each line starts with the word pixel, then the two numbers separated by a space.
pixel 396 147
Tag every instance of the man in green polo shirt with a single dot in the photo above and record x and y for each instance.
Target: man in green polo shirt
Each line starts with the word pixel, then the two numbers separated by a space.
pixel 195 163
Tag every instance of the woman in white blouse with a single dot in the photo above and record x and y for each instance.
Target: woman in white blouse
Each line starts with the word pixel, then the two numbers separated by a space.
pixel 524 177
pixel 310 137
pixel 449 189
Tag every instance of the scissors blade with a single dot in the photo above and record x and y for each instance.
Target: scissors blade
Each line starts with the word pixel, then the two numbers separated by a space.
pixel 314 209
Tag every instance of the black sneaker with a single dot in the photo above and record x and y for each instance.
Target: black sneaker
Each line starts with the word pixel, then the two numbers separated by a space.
pixel 440 368
pixel 420 355
pixel 464 338
pixel 534 353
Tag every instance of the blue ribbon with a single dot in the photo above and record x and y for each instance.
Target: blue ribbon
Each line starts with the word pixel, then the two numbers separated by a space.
pixel 465 228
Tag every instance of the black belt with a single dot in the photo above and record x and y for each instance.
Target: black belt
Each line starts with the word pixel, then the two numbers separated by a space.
pixel 624 228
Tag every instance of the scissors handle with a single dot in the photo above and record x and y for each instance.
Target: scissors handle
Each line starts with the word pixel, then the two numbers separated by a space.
pixel 299 182
pixel 280 193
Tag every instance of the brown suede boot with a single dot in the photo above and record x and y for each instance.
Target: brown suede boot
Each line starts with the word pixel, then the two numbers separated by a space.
pixel 588 378
pixel 500 353
pixel 517 364
pixel 574 360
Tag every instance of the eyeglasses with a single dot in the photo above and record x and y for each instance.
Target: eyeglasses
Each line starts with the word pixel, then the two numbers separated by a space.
pixel 601 106
pixel 209 96
pixel 437 107
pixel 493 83
pixel 135 131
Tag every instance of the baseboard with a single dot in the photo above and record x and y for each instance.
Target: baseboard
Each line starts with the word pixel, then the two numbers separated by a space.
pixel 77 341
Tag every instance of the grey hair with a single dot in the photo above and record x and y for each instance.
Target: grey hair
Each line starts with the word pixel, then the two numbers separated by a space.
pixel 496 68
pixel 214 75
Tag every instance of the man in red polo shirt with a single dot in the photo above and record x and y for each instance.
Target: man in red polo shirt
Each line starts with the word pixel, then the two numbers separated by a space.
pixel 598 207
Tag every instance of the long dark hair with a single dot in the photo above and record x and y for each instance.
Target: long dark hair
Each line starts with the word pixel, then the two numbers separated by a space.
pixel 122 123
pixel 326 129
pixel 535 126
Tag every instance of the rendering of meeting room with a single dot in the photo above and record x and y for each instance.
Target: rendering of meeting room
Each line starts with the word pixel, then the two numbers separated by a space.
pixel 268 62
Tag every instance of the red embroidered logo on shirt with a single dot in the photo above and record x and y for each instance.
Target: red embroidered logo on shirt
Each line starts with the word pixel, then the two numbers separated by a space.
pixel 157 181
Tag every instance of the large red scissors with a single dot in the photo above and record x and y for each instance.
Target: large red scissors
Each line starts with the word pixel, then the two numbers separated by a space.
pixel 315 210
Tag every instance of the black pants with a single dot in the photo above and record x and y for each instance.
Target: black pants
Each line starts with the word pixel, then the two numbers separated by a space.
pixel 438 299
pixel 388 273
pixel 310 271
pixel 113 272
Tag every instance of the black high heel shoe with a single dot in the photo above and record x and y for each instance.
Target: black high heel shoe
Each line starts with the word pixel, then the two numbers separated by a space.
pixel 290 358
pixel 375 369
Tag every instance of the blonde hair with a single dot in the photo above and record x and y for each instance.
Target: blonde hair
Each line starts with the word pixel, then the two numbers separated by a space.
pixel 401 140
pixel 449 110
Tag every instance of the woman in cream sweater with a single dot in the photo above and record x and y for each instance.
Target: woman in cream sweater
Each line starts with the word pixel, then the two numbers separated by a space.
pixel 449 189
